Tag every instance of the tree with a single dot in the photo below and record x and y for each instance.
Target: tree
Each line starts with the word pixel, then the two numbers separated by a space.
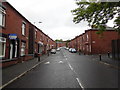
pixel 67 41
pixel 59 40
pixel 97 13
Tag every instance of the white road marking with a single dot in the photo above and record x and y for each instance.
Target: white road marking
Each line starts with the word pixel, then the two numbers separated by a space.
pixel 66 58
pixel 47 63
pixel 70 67
pixel 79 83
pixel 60 62
pixel 20 75
pixel 104 63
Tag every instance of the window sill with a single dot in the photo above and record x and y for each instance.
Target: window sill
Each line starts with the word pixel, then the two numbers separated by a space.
pixel 23 56
pixel 23 35
pixel 2 27
pixel 2 58
pixel 8 60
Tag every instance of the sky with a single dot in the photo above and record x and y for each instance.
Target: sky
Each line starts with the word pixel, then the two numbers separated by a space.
pixel 55 15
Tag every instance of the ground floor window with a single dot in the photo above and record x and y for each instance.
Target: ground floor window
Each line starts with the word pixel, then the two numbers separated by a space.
pixel 90 48
pixel 40 48
pixel 87 48
pixel 2 46
pixel 23 48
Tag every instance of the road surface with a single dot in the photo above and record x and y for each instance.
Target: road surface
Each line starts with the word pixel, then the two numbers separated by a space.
pixel 68 70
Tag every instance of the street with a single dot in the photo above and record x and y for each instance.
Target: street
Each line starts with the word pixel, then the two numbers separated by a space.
pixel 68 70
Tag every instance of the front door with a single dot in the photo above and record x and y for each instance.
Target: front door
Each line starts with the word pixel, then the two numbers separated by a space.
pixel 11 51
pixel 16 48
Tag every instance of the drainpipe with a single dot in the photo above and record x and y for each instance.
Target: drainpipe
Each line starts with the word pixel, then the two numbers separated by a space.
pixel 91 41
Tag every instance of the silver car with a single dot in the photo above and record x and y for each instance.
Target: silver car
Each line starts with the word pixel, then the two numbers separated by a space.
pixel 53 51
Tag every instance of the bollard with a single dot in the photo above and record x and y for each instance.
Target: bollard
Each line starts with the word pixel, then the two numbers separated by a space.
pixel 38 58
pixel 48 53
pixel 100 57
pixel 108 54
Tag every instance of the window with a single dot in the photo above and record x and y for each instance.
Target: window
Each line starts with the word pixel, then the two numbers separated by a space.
pixel 87 48
pixel 2 17
pixel 41 37
pixel 23 28
pixel 87 37
pixel 23 49
pixel 40 48
pixel 35 34
pixel 90 48
pixel 2 46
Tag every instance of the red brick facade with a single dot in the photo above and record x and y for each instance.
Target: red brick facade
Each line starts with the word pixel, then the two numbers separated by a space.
pixel 28 38
pixel 92 43
pixel 61 44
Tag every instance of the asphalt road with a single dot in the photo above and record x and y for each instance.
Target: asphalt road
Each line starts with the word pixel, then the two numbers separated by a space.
pixel 68 70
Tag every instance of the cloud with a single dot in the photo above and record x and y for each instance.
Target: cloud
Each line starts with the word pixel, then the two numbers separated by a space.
pixel 55 15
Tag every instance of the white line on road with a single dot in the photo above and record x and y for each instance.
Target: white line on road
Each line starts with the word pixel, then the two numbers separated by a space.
pixel 47 62
pixel 60 62
pixel 66 58
pixel 70 67
pixel 79 83
pixel 20 75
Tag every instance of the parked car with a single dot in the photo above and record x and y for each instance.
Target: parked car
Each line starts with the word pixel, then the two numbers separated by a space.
pixel 67 48
pixel 53 51
pixel 58 49
pixel 70 49
pixel 73 50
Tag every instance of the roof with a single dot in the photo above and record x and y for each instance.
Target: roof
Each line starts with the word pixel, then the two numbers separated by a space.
pixel 23 17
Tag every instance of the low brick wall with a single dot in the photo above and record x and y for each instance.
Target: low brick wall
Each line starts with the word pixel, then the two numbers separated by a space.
pixel 9 62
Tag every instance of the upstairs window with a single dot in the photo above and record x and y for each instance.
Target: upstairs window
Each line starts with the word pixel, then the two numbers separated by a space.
pixel 2 17
pixel 23 28
pixel 87 37
pixel 35 33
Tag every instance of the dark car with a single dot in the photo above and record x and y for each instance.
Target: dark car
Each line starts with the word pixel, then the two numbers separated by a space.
pixel 53 51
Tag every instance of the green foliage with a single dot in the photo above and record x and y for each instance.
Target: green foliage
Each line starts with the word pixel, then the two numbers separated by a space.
pixel 97 13
pixel 59 40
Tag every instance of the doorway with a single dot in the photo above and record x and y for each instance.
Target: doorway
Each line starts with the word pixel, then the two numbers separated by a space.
pixel 13 53
pixel 11 50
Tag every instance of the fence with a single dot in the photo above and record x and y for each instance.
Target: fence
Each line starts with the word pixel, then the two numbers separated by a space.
pixel 116 49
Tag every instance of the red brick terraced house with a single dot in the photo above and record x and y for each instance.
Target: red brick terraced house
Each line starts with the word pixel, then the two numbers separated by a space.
pixel 19 39
pixel 61 44
pixel 74 43
pixel 92 43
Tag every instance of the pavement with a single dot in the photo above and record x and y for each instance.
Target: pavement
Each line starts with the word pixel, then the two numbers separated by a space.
pixel 105 60
pixel 58 67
